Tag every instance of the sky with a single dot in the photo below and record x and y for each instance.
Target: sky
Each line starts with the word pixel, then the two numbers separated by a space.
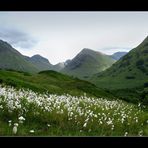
pixel 59 35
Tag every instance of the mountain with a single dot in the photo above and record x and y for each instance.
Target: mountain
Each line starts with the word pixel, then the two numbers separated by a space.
pixel 87 63
pixel 40 62
pixel 118 55
pixel 10 58
pixel 67 62
pixel 130 74
pixel 58 67
pixel 131 68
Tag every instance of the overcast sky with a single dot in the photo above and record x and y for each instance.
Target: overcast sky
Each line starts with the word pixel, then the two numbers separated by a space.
pixel 59 36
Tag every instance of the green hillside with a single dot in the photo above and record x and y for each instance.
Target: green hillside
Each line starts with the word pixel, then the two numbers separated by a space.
pixel 87 63
pixel 12 59
pixel 51 81
pixel 130 72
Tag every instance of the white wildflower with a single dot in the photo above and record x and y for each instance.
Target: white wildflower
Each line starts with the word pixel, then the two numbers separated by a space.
pixel 21 119
pixel 31 131
pixel 85 124
pixel 15 128
pixel 126 133
pixel 109 122
pixel 1 107
pixel 140 133
pixel 48 125
pixel 10 122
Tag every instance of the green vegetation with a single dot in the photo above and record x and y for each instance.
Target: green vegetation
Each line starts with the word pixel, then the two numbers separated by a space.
pixel 12 59
pixel 127 78
pixel 65 115
pixel 50 81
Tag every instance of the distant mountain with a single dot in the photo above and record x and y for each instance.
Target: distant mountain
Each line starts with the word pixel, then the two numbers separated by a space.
pixel 40 62
pixel 67 62
pixel 10 58
pixel 87 63
pixel 58 67
pixel 118 55
pixel 129 72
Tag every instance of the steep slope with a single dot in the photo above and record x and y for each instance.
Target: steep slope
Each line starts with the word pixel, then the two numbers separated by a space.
pixel 130 71
pixel 118 55
pixel 12 59
pixel 87 63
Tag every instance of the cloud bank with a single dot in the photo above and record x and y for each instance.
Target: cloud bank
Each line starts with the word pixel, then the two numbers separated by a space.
pixel 17 38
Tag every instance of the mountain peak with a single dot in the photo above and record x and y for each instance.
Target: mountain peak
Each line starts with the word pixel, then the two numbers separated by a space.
pixel 5 44
pixel 1 41
pixel 86 63
pixel 86 49
pixel 41 62
pixel 144 43
pixel 38 57
pixel 90 51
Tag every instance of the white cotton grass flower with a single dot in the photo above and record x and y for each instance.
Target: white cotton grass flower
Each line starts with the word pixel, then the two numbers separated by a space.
pixel 48 125
pixel 140 133
pixel 31 131
pixel 10 122
pixel 85 124
pixel 112 127
pixel 92 111
pixel 21 119
pixel 1 107
pixel 126 133
pixel 15 128
pixel 109 122
pixel 16 124
pixel 136 120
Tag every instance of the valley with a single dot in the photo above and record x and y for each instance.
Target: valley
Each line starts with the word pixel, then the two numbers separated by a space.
pixel 93 94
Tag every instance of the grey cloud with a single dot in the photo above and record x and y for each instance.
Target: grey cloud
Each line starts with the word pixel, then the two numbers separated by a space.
pixel 17 38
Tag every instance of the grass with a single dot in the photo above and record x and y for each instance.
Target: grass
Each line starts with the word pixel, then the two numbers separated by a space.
pixel 55 104
pixel 128 77
pixel 51 81
pixel 66 115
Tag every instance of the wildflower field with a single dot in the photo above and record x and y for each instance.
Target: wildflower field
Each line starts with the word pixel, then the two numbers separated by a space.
pixel 27 113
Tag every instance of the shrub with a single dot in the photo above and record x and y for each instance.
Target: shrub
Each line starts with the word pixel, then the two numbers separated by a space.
pixel 146 84
pixel 130 77
pixel 1 80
